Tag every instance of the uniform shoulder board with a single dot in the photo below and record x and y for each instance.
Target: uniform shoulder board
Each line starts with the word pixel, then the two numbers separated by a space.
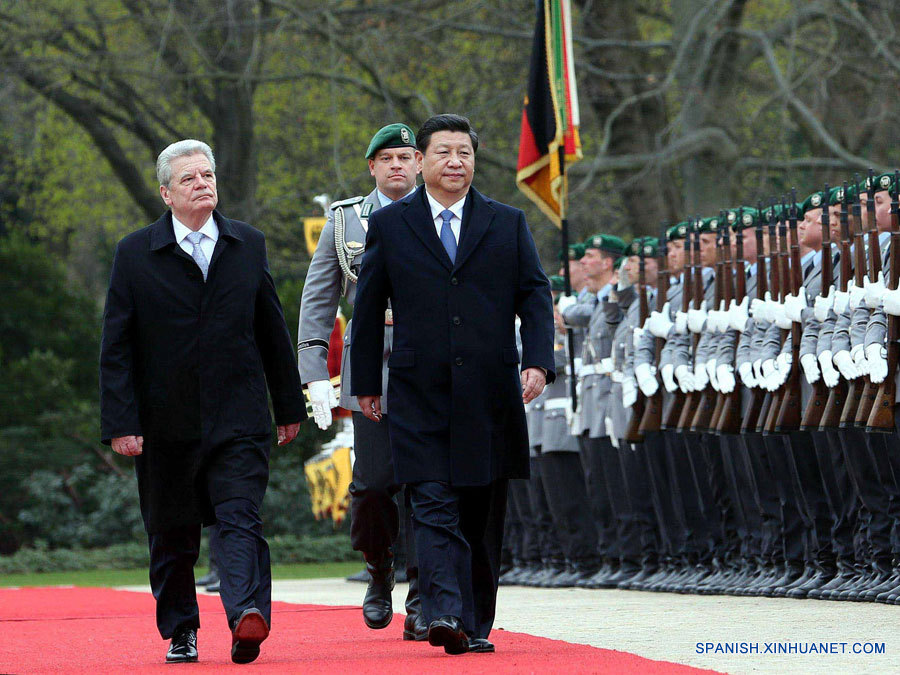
pixel 347 202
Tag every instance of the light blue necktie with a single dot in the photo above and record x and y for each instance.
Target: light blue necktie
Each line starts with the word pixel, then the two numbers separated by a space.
pixel 447 238
pixel 197 254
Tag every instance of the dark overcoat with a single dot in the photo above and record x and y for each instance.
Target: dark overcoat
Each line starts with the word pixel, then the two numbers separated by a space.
pixel 456 398
pixel 184 363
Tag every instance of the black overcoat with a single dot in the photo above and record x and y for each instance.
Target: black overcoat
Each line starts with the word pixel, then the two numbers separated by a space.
pixel 456 400
pixel 184 363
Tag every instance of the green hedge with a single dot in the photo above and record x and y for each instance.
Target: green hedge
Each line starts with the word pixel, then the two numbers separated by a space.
pixel 284 549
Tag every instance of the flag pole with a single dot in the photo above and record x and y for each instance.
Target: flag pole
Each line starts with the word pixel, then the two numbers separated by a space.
pixel 564 229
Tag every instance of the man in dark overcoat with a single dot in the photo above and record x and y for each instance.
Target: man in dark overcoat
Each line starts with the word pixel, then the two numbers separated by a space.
pixel 193 333
pixel 457 268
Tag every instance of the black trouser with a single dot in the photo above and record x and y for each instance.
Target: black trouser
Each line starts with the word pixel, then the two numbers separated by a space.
pixel 545 533
pixel 529 548
pixel 237 543
pixel 793 530
pixel 640 529
pixel 741 494
pixel 459 534
pixel 874 495
pixel 768 503
pixel 697 524
pixel 697 446
pixel 669 516
pixel 564 486
pixel 884 449
pixel 845 502
pixel 593 452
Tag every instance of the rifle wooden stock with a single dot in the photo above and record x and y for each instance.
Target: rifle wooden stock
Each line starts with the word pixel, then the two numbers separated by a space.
pixel 790 410
pixel 633 433
pixel 749 423
pixel 783 286
pixel 866 402
pixel 705 409
pixel 764 410
pixel 857 386
pixel 831 413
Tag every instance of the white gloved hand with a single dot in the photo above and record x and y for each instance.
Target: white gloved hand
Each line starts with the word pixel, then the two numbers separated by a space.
pixel 701 377
pixel 810 367
pixel 795 304
pixel 757 371
pixel 768 369
pixel 712 321
pixel 758 310
pixel 681 322
pixel 876 357
pixel 844 363
pixel 822 305
pixel 713 381
pixel 892 302
pixel 737 314
pixel 858 354
pixel 636 337
pixel 685 379
pixel 841 301
pixel 783 363
pixel 721 318
pixel 629 392
pixel 564 302
pixel 779 315
pixel 606 366
pixel 857 295
pixel 874 291
pixel 771 304
pixel 696 318
pixel 645 375
pixel 668 377
pixel 829 375
pixel 323 399
pixel 746 373
pixel 659 323
pixel 725 378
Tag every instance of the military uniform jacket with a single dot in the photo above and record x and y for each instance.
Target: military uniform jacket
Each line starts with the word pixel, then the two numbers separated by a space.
pixel 597 347
pixel 578 316
pixel 623 359
pixel 877 328
pixel 555 433
pixel 325 282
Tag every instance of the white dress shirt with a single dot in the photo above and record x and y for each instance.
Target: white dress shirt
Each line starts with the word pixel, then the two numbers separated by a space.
pixel 455 221
pixel 384 200
pixel 208 243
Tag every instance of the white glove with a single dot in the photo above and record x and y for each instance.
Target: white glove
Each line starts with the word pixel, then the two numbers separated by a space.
pixel 892 302
pixel 746 373
pixel 795 304
pixel 719 323
pixel 841 301
pixel 668 377
pixel 759 309
pixel 876 357
pixel 323 399
pixel 737 314
pixel 636 337
pixel 768 369
pixel 844 363
pixel 681 322
pixel 783 363
pixel 857 295
pixel 629 392
pixel 564 302
pixel 771 304
pixel 822 305
pixel 605 367
pixel 829 375
pixel 757 371
pixel 659 323
pixel 810 367
pixel 712 321
pixel 696 318
pixel 858 354
pixel 725 377
pixel 646 379
pixel 874 291
pixel 779 315
pixel 713 381
pixel 685 379
pixel 701 377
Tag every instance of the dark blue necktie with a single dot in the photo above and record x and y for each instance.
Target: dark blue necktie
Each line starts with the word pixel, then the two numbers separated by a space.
pixel 447 238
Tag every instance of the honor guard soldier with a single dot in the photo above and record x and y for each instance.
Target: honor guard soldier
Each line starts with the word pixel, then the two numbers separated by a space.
pixel 393 162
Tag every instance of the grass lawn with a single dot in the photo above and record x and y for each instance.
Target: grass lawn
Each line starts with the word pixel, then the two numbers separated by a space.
pixel 139 576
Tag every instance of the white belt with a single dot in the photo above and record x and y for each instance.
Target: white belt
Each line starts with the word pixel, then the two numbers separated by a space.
pixel 617 376
pixel 605 367
pixel 560 403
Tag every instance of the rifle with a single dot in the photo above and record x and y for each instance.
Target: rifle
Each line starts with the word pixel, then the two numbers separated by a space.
pixel 788 418
pixel 728 420
pixel 633 433
pixel 694 398
pixel 812 416
pixel 784 288
pixel 757 394
pixel 837 397
pixel 882 417
pixel 855 387
pixel 652 419
pixel 870 391
pixel 679 398
pixel 775 292
pixel 702 420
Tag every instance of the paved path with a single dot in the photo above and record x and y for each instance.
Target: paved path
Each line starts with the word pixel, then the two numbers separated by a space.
pixel 668 626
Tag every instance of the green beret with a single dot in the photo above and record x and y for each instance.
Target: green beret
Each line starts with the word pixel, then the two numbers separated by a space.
pixel 575 252
pixel 557 283
pixel 606 242
pixel 678 231
pixel 649 247
pixel 709 224
pixel 391 136
pixel 836 195
pixel 748 218
pixel 814 201
pixel 884 182
pixel 619 262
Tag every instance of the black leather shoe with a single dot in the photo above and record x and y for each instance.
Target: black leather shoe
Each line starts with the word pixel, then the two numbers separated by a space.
pixel 214 587
pixel 480 646
pixel 414 626
pixel 183 648
pixel 447 632
pixel 249 632
pixel 377 609
pixel 211 577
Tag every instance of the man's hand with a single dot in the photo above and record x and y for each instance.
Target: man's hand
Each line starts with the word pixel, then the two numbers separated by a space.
pixel 370 406
pixel 533 382
pixel 323 399
pixel 130 446
pixel 287 432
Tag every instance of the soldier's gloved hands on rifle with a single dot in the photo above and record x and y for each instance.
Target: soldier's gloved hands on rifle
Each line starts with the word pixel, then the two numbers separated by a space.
pixel 658 323
pixel 876 357
pixel 737 314
pixel 810 368
pixel 768 372
pixel 857 295
pixel 822 305
pixel 892 302
pixel 668 377
pixel 725 378
pixel 646 379
pixel 711 373
pixel 685 379
pixel 564 302
pixel 874 291
pixel 771 304
pixel 701 377
pixel 858 354
pixel 782 369
pixel 719 323
pixel 746 372
pixel 779 316
pixel 712 320
pixel 841 301
pixel 323 399
pixel 794 305
pixel 636 337
pixel 757 372
pixel 829 375
pixel 696 318
pixel 759 310
pixel 844 363
pixel 681 322
pixel 629 392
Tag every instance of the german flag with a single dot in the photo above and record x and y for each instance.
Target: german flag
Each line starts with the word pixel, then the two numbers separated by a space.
pixel 550 115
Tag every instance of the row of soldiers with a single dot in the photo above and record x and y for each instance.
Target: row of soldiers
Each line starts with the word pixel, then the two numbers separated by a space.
pixel 723 421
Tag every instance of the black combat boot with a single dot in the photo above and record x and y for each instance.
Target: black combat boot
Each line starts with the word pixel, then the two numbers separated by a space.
pixel 377 610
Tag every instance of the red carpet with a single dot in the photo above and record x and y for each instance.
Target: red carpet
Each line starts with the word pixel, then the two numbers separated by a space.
pixel 99 630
